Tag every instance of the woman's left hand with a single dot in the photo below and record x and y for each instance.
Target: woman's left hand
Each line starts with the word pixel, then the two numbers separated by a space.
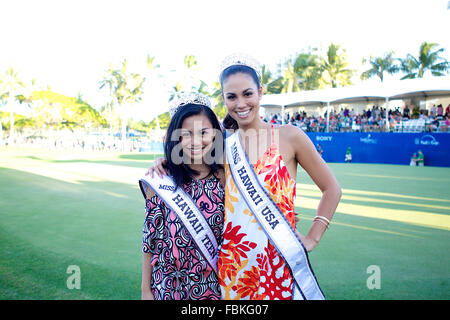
pixel 308 243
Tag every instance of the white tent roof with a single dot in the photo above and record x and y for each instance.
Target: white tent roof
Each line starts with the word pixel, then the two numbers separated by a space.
pixel 432 87
pixel 368 91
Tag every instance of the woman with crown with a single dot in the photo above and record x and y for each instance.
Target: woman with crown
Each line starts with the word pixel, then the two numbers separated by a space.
pixel 184 211
pixel 262 255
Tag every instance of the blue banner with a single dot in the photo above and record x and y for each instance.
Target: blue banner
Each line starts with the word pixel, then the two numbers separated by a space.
pixel 372 147
pixel 384 147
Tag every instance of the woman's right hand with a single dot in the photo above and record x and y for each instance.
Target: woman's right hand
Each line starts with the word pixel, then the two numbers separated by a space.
pixel 158 168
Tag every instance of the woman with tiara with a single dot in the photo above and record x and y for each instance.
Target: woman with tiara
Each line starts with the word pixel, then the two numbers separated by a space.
pixel 184 210
pixel 262 255
pixel 258 243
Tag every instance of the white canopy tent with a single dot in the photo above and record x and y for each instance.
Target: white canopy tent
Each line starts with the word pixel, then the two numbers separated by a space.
pixel 368 91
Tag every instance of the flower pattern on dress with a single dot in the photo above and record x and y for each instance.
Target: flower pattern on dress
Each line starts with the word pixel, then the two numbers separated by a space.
pixel 249 265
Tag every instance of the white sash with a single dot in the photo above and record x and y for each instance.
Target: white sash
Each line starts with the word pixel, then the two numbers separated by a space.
pixel 272 220
pixel 188 212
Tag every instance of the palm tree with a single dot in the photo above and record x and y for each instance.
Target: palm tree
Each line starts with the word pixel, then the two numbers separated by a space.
pixel 127 91
pixel 176 89
pixel 151 65
pixel 191 64
pixel 203 88
pixel 291 78
pixel 268 83
pixel 266 78
pixel 429 59
pixel 109 82
pixel 12 89
pixel 307 66
pixel 303 72
pixel 190 61
pixel 219 109
pixel 190 79
pixel 380 65
pixel 334 67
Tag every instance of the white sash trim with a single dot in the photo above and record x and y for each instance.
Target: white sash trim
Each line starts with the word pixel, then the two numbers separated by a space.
pixel 188 212
pixel 272 220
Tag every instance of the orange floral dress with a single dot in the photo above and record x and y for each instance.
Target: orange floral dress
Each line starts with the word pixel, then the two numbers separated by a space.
pixel 249 265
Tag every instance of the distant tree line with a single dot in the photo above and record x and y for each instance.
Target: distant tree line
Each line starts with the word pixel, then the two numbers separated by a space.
pixel 307 70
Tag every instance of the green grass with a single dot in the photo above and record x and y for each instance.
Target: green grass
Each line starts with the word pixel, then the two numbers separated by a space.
pixel 60 209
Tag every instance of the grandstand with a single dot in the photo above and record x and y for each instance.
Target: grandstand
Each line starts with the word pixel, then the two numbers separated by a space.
pixel 378 131
pixel 412 91
pixel 414 125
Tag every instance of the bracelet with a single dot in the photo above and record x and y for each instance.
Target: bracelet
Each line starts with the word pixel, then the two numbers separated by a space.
pixel 318 220
pixel 323 220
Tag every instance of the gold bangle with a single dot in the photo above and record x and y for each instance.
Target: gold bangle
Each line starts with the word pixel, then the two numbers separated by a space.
pixel 323 218
pixel 321 221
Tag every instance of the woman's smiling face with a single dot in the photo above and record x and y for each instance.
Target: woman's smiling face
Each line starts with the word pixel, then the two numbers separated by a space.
pixel 197 136
pixel 241 96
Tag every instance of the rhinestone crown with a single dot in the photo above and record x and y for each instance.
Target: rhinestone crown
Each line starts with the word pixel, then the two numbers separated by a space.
pixel 241 59
pixel 183 99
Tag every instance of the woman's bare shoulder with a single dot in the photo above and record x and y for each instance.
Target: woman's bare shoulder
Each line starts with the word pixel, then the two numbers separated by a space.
pixel 291 133
pixel 297 142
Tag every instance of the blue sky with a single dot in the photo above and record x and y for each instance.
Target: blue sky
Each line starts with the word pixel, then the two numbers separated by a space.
pixel 69 44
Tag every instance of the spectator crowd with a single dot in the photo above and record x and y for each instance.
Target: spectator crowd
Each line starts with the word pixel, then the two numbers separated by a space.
pixel 410 119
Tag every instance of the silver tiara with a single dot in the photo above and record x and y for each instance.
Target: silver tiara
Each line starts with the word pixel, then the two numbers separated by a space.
pixel 243 60
pixel 183 99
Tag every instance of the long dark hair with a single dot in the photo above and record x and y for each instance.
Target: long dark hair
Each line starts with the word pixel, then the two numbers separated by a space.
pixel 229 122
pixel 180 172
